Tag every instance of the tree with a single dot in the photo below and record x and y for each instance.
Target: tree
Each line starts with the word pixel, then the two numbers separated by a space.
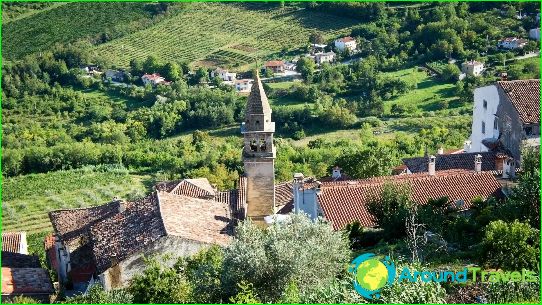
pixel 317 38
pixel 298 251
pixel 511 246
pixel 151 64
pixel 171 71
pixel 450 72
pixel 390 209
pixel 159 284
pixel 97 295
pixel 378 160
pixel 306 67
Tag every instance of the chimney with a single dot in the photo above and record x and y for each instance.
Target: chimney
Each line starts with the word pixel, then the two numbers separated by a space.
pixel 478 163
pixel 336 174
pixel 432 161
pixel 467 146
pixel 121 204
pixel 297 191
pixel 440 151
pixel 504 76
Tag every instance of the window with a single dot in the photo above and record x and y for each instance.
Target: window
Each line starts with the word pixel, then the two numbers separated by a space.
pixel 495 124
pixel 253 146
pixel 485 104
pixel 483 127
pixel 263 146
pixel 528 131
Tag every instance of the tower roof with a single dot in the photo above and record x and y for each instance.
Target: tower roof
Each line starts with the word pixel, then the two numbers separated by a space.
pixel 257 100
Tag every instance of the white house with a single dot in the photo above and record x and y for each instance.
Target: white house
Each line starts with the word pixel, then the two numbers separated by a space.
pixel 320 58
pixel 473 67
pixel 243 85
pixel 346 43
pixel 506 113
pixel 153 79
pixel 224 75
pixel 512 43
pixel 535 34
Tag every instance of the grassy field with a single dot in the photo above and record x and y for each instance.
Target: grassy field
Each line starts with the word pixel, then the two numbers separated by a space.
pixel 43 29
pixel 27 199
pixel 427 93
pixel 226 34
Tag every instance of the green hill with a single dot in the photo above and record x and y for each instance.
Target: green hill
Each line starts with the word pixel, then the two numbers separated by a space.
pixel 39 30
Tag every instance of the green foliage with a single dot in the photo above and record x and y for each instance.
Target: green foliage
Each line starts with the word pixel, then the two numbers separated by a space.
pixel 513 292
pixel 390 209
pixel 511 246
pixel 246 294
pixel 306 67
pixel 378 161
pixel 159 284
pixel 450 73
pixel 203 271
pixel 21 300
pixel 413 293
pixel 97 295
pixel 301 252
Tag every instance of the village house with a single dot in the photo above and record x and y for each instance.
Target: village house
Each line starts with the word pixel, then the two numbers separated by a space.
pixel 116 75
pixel 154 80
pixel 92 70
pixel 243 85
pixel 224 75
pixel 22 273
pixel 506 114
pixel 512 43
pixel 346 43
pixel 276 66
pixel 321 58
pixel 535 34
pixel 472 67
pixel 107 243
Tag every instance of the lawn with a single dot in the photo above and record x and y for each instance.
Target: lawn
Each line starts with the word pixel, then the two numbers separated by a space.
pixel 27 199
pixel 427 93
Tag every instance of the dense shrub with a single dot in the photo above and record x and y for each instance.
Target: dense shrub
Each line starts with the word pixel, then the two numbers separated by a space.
pixel 97 295
pixel 300 251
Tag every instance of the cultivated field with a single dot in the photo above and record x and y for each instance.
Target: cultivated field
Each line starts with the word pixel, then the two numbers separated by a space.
pixel 27 199
pixel 225 34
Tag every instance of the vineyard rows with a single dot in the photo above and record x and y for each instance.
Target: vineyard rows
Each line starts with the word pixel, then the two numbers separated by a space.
pixel 208 31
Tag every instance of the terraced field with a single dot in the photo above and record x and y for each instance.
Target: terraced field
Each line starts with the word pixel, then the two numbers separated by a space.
pixel 225 34
pixel 27 199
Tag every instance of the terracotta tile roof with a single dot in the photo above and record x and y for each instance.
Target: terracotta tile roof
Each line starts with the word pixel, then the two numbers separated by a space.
pixel 166 186
pixel 18 260
pixel 153 77
pixel 28 281
pixel 201 220
pixel 346 39
pixel 274 63
pixel 72 226
pixel 284 197
pixel 14 242
pixel 345 202
pixel 525 97
pixel 121 235
pixel 453 161
pixel 197 188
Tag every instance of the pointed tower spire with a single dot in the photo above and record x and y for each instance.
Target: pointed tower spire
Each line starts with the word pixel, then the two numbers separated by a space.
pixel 258 112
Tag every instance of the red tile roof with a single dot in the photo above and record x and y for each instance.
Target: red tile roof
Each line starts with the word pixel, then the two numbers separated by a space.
pixel 200 220
pixel 346 202
pixel 14 242
pixel 346 39
pixel 525 97
pixel 28 281
pixel 274 63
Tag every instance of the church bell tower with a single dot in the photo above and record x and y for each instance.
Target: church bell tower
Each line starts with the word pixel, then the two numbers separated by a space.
pixel 259 154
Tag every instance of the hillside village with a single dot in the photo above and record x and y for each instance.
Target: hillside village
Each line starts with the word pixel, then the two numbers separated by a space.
pixel 188 161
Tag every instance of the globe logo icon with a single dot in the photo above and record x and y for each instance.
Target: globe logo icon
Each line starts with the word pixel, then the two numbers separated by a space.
pixel 371 274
